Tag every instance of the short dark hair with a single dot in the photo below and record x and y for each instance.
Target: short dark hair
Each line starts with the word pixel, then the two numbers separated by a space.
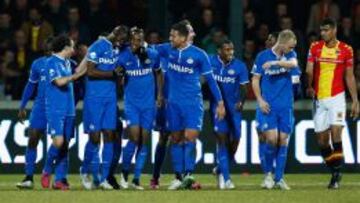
pixel 60 42
pixel 329 21
pixel 120 30
pixel 223 42
pixel 181 28
pixel 136 30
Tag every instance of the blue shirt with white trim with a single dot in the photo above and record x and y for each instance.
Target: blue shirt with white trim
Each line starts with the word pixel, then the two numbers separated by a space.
pixel 59 100
pixel 38 76
pixel 276 83
pixel 102 53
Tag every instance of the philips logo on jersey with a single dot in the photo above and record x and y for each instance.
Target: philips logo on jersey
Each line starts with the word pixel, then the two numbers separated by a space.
pixel 276 71
pixel 180 68
pixel 140 72
pixel 222 79
pixel 107 60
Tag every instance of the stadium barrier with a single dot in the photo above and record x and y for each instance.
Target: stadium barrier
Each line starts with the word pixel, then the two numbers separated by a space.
pixel 303 156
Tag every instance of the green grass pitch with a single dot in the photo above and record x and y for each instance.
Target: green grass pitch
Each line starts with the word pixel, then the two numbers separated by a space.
pixel 304 188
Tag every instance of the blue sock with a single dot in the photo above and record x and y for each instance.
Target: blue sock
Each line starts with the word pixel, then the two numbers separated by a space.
pixel 270 156
pixel 107 157
pixel 30 158
pixel 90 149
pixel 62 166
pixel 223 159
pixel 116 157
pixel 177 157
pixel 95 165
pixel 128 154
pixel 189 157
pixel 52 155
pixel 280 162
pixel 262 154
pixel 140 161
pixel 159 160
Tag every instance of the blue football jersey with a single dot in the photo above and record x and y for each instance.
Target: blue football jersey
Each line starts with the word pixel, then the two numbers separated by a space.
pixel 38 75
pixel 102 53
pixel 229 78
pixel 276 84
pixel 139 77
pixel 184 69
pixel 59 100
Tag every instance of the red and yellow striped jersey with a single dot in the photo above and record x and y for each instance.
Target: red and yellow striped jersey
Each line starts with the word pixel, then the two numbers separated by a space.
pixel 329 67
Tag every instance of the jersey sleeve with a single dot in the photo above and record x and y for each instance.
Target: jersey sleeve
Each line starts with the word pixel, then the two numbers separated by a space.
pixel 292 55
pixel 311 54
pixel 257 67
pixel 34 73
pixel 349 60
pixel 204 63
pixel 156 60
pixel 54 71
pixel 162 49
pixel 243 74
pixel 94 53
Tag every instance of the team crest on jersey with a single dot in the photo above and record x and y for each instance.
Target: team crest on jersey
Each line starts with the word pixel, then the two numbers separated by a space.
pixel 92 55
pixel 190 61
pixel 52 131
pixel 128 63
pixel 92 127
pixel 147 61
pixel 231 72
pixel 52 72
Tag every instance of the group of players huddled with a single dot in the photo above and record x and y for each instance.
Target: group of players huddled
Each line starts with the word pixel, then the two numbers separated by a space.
pixel 162 85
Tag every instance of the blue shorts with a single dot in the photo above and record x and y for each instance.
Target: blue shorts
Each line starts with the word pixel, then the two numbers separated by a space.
pixel 61 125
pixel 231 124
pixel 160 123
pixel 143 117
pixel 38 117
pixel 99 114
pixel 280 119
pixel 181 117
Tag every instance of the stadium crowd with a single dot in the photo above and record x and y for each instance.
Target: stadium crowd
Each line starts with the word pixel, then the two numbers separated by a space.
pixel 25 24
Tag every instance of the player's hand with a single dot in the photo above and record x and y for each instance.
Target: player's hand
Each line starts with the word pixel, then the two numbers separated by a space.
pixel 239 106
pixel 119 71
pixel 268 64
pixel 310 92
pixel 354 114
pixel 22 115
pixel 220 110
pixel 264 106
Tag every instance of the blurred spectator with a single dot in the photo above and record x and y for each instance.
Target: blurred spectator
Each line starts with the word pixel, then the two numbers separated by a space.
pixel 249 24
pixel 36 29
pixel 311 37
pixel 346 31
pixel 6 31
pixel 321 10
pixel 77 30
pixel 97 19
pixel 153 37
pixel 281 11
pixel 205 26
pixel 15 66
pixel 356 24
pixel 211 41
pixel 19 12
pixel 262 35
pixel 249 53
pixel 54 13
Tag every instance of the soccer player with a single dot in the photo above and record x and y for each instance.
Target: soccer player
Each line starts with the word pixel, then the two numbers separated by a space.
pixel 37 128
pixel 232 77
pixel 100 107
pixel 273 90
pixel 139 64
pixel 295 76
pixel 186 63
pixel 60 110
pixel 161 117
pixel 329 68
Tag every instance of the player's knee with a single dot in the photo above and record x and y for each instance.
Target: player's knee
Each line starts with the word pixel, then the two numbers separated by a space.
pixel 109 136
pixel 176 139
pixel 95 138
pixel 58 142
